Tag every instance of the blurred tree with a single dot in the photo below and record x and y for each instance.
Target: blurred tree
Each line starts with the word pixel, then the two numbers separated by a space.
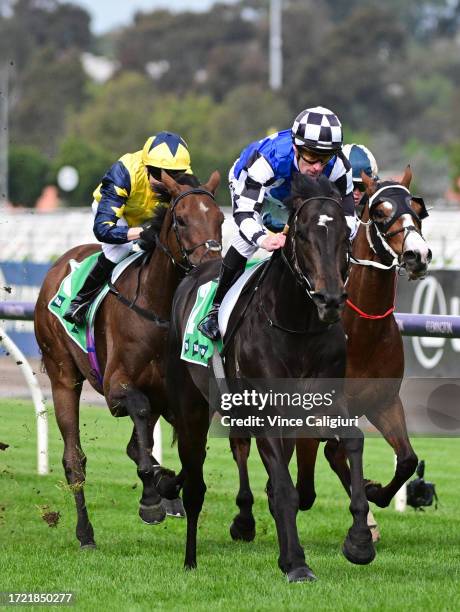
pixel 355 71
pixel 35 24
pixel 91 162
pixel 187 43
pixel 47 90
pixel 454 162
pixel 28 174
pixel 118 118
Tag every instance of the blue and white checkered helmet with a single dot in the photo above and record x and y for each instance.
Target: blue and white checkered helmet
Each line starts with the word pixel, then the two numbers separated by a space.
pixel 361 160
pixel 318 129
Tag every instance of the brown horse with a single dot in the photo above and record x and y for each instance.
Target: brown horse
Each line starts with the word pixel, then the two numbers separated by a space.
pixel 130 341
pixel 389 237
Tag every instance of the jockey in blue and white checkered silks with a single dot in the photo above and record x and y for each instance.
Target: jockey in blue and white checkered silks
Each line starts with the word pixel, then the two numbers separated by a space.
pixel 260 180
pixel 128 195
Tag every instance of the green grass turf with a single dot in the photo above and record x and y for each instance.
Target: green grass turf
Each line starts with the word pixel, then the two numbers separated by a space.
pixel 139 567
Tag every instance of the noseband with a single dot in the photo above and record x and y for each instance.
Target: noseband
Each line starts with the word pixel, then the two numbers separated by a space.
pixel 211 245
pixel 294 267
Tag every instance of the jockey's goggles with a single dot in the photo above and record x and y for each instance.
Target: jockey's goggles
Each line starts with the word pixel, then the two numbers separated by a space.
pixel 360 186
pixel 156 172
pixel 313 158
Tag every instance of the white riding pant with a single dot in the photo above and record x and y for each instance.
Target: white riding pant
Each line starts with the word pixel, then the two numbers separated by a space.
pixel 115 252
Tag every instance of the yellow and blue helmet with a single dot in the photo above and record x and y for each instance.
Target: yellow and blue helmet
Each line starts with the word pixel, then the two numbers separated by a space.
pixel 168 151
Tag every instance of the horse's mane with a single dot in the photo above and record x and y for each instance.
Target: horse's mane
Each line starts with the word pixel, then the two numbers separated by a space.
pixel 304 187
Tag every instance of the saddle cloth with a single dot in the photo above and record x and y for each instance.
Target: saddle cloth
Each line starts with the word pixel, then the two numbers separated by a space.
pixel 196 348
pixel 69 288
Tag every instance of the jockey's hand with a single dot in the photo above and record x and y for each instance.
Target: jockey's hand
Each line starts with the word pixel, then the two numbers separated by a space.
pixel 134 233
pixel 273 242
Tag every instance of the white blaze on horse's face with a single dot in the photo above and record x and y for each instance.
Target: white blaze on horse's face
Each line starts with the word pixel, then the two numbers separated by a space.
pixel 323 220
pixel 414 241
pixel 203 207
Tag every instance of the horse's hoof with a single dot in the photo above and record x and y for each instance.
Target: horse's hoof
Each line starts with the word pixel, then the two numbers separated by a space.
pixel 174 507
pixel 301 574
pixel 359 553
pixel 152 515
pixel 89 546
pixel 375 493
pixel 307 503
pixel 189 565
pixel 241 532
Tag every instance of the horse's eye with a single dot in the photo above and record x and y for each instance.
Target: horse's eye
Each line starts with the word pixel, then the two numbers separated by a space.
pixel 180 222
pixel 378 214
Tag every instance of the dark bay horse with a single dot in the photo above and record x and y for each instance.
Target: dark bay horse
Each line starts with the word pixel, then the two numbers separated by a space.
pixel 130 341
pixel 302 289
pixel 389 236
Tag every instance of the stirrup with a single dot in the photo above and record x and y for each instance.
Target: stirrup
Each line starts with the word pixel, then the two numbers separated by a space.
pixel 209 325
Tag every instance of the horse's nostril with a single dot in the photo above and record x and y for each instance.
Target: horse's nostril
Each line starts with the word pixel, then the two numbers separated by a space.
pixel 429 257
pixel 411 257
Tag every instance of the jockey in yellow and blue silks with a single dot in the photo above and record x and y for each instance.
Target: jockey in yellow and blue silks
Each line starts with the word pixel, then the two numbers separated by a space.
pixel 127 196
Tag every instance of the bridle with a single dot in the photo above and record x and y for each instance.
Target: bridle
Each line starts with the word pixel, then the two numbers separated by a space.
pixel 294 267
pixel 211 245
pixel 378 234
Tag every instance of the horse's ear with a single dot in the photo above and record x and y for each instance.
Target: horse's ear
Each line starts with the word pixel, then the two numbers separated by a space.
pixel 170 184
pixel 407 177
pixel 213 182
pixel 370 183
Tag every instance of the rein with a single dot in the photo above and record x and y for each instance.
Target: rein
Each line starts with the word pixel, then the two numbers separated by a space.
pixel 296 271
pixel 211 245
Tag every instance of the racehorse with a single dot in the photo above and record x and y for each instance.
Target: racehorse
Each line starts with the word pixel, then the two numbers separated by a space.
pixel 389 237
pixel 300 289
pixel 130 339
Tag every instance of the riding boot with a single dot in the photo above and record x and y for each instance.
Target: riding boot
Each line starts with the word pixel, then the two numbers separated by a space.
pixel 79 306
pixel 232 268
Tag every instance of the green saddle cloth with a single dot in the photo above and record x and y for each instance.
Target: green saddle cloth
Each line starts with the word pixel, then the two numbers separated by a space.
pixel 68 289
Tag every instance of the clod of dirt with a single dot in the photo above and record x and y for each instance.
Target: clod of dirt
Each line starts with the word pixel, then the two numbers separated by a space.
pixel 50 517
pixel 3 446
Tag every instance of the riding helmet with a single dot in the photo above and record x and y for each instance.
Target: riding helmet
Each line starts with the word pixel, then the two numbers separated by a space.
pixel 317 129
pixel 168 151
pixel 361 160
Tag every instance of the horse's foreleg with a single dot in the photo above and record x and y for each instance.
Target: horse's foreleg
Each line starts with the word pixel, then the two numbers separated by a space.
pixel 66 387
pixel 358 546
pixel 165 480
pixel 137 406
pixel 243 526
pixel 306 450
pixel 284 501
pixel 192 451
pixel 334 452
pixel 391 423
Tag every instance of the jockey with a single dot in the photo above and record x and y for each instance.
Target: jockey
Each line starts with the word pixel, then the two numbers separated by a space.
pixel 127 196
pixel 361 160
pixel 261 177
